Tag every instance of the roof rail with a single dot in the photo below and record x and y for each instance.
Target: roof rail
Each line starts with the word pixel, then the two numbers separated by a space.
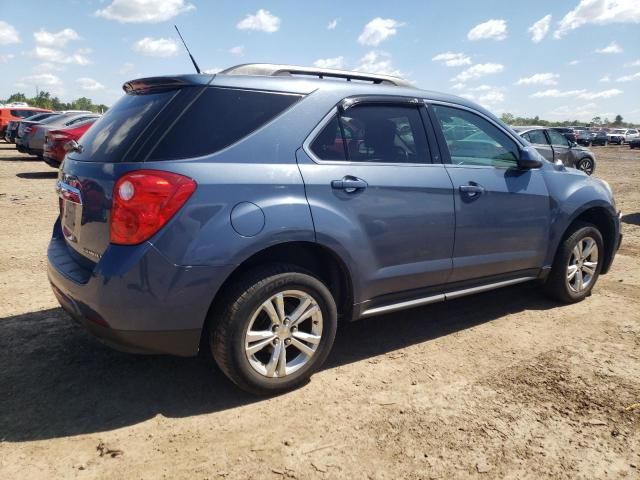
pixel 276 70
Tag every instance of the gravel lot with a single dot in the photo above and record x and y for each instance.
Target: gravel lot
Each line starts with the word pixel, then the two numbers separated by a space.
pixel 504 384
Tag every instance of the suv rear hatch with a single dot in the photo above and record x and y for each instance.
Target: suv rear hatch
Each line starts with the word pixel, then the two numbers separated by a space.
pixel 159 119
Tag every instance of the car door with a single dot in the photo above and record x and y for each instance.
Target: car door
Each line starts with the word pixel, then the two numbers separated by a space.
pixel 540 142
pixel 502 211
pixel 561 147
pixel 377 197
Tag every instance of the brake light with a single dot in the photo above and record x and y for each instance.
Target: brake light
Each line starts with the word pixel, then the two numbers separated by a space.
pixel 27 130
pixel 144 201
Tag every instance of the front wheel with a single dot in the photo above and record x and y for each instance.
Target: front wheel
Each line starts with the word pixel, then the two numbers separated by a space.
pixel 587 165
pixel 577 264
pixel 274 330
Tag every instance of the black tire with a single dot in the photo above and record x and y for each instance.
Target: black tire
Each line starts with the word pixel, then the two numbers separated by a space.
pixel 587 165
pixel 229 323
pixel 557 284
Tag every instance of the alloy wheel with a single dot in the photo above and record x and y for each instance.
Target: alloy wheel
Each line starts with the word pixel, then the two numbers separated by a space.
pixel 283 334
pixel 586 166
pixel 582 265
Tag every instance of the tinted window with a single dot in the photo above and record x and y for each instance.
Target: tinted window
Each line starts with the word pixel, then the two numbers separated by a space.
pixel 218 118
pixel 472 140
pixel 23 113
pixel 557 139
pixel 114 133
pixel 537 136
pixel 374 133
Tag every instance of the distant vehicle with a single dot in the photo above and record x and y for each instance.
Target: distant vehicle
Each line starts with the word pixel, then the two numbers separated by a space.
pixel 599 138
pixel 635 143
pixel 56 139
pixel 627 134
pixel 246 213
pixel 8 114
pixel 568 132
pixel 583 137
pixel 33 140
pixel 12 129
pixel 556 148
pixel 617 136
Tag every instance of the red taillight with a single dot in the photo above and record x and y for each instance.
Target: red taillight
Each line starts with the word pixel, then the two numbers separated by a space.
pixel 28 129
pixel 144 201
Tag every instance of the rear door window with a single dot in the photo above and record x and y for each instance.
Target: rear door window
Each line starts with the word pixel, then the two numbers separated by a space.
pixel 374 133
pixel 538 137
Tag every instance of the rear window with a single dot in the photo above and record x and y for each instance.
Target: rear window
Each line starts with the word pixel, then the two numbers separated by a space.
pixel 120 126
pixel 217 119
pixel 23 113
pixel 177 124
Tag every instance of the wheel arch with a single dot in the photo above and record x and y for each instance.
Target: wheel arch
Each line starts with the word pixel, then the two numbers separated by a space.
pixel 313 257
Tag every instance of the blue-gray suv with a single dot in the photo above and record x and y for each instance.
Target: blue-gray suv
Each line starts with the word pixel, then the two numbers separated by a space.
pixel 246 213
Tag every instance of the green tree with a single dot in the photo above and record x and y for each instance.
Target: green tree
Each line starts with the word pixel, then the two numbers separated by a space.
pixel 82 103
pixel 596 121
pixel 17 97
pixel 618 121
pixel 507 118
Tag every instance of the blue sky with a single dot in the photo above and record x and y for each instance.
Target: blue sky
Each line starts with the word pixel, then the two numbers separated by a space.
pixel 557 59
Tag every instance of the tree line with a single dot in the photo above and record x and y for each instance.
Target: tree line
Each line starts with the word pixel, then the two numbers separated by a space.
pixel 511 119
pixel 44 100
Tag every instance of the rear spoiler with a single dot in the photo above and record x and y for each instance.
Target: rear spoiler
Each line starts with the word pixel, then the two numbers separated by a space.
pixel 143 86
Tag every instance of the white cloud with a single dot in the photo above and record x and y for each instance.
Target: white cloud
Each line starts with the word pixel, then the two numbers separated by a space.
pixel 477 71
pixel 598 12
pixel 378 30
pixel 53 55
pixel 44 79
pixel 89 84
pixel 485 95
pixel 540 29
pixel 144 11
pixel 262 21
pixel 57 39
pixel 539 79
pixel 605 79
pixel 212 71
pixel 332 24
pixel 613 47
pixel 378 62
pixel 334 62
pixel 629 78
pixel 47 67
pixel 633 64
pixel 451 59
pixel 574 62
pixel 458 86
pixel 6 58
pixel 582 94
pixel 238 50
pixel 8 34
pixel 491 29
pixel 156 47
pixel 580 112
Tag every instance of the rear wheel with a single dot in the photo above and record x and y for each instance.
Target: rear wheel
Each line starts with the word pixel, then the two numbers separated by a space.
pixel 274 330
pixel 577 264
pixel 587 165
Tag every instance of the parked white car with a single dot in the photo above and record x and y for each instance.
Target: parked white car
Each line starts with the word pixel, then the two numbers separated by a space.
pixel 623 135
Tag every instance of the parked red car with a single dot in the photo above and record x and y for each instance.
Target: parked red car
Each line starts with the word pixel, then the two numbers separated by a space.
pixel 55 140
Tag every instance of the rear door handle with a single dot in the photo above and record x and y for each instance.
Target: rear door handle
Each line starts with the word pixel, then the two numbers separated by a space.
pixel 472 189
pixel 349 184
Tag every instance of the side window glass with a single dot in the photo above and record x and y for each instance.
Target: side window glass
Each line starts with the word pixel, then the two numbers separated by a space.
pixel 329 144
pixel 472 140
pixel 374 133
pixel 557 139
pixel 537 136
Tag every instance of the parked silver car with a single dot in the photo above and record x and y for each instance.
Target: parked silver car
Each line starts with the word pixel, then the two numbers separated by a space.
pixel 556 148
pixel 32 141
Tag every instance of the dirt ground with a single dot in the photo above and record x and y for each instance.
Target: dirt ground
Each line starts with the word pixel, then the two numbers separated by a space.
pixel 506 384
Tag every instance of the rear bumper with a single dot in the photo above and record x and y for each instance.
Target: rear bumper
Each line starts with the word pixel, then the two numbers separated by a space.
pixel 133 299
pixel 52 162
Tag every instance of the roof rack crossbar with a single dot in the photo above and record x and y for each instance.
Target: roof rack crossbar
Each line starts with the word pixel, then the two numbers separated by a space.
pixel 276 70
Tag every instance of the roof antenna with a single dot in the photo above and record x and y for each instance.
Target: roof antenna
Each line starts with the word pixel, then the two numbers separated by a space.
pixel 187 48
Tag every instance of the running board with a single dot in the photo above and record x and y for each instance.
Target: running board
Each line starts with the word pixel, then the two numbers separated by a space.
pixel 442 297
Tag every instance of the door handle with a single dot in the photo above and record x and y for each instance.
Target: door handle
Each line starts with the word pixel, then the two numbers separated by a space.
pixel 349 184
pixel 472 189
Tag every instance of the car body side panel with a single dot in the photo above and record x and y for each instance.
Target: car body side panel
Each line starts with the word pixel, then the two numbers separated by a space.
pixel 573 192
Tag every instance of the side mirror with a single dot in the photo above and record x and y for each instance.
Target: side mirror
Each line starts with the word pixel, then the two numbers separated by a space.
pixel 529 158
pixel 573 144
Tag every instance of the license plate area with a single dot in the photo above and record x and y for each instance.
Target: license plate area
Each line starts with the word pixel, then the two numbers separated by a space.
pixel 70 210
